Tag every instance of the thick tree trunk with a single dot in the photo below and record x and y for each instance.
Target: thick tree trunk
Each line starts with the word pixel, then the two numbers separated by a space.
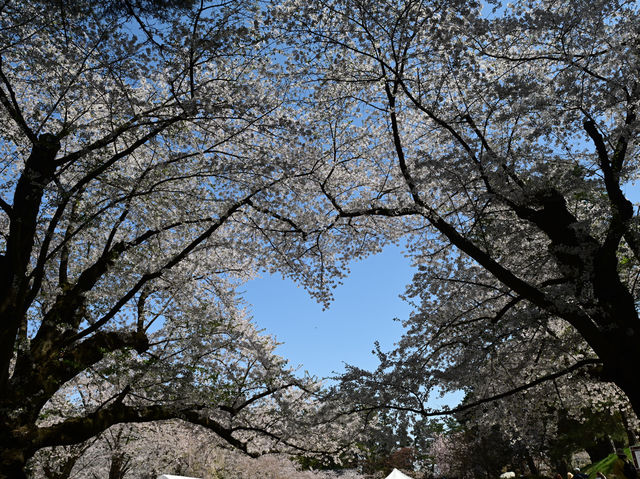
pixel 119 465
pixel 533 469
pixel 600 449
pixel 561 467
pixel 622 368
pixel 631 434
pixel 38 172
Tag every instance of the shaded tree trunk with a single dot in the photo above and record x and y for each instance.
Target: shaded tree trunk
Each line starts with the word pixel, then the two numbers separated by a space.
pixel 600 449
pixel 533 469
pixel 561 467
pixel 119 465
pixel 631 435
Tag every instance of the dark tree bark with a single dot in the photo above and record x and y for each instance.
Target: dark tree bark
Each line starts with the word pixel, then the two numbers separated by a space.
pixel 601 448
pixel 632 438
pixel 119 465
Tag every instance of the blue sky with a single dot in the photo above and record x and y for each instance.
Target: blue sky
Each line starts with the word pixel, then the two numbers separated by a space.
pixel 361 313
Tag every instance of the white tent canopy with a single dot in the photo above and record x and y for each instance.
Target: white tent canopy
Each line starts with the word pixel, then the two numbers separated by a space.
pixel 395 474
pixel 169 476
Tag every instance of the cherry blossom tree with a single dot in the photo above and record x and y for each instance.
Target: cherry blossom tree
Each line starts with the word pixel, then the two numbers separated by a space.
pixel 144 176
pixel 143 450
pixel 219 375
pixel 176 447
pixel 501 143
pixel 153 162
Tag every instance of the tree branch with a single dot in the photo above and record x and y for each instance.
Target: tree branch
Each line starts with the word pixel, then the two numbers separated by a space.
pixel 6 207
pixel 447 412
pixel 59 366
pixel 38 271
pixel 507 277
pixel 524 387
pixel 12 107
pixel 177 258
pixel 513 302
pixel 622 208
pixel 233 410
pixel 79 429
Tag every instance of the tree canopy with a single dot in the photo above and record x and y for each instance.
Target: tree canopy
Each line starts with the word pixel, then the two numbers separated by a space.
pixel 143 178
pixel 501 144
pixel 154 161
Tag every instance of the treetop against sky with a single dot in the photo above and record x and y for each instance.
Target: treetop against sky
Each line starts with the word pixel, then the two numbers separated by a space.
pixel 145 179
